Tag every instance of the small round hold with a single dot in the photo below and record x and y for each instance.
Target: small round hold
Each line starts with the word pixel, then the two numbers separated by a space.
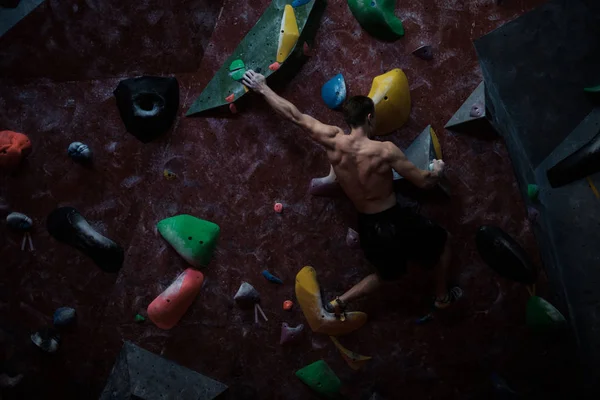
pixel 476 110
pixel 232 108
pixel 47 340
pixel 79 152
pixel 19 222
pixel 287 305
pixel 275 66
pixel 278 207
pixel 64 316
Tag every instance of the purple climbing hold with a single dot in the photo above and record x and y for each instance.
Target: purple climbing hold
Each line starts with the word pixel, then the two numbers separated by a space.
pixel 424 52
pixel 271 278
pixel 289 334
pixel 246 296
pixel 476 110
pixel 532 214
pixel 352 239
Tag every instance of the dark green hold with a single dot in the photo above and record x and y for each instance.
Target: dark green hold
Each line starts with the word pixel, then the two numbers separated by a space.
pixel 593 89
pixel 543 316
pixel 320 378
pixel 533 192
pixel 138 318
pixel 237 69
pixel 377 17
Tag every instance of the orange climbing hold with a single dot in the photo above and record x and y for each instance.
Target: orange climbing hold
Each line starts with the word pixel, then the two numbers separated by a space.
pixel 14 147
pixel 230 98
pixel 168 308
pixel 275 66
pixel 287 305
pixel 278 208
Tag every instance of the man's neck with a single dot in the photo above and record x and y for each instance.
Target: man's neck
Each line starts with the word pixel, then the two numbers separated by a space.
pixel 360 132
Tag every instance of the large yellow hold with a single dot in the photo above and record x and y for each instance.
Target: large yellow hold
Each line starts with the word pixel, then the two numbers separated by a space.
pixel 391 96
pixel 308 295
pixel 288 35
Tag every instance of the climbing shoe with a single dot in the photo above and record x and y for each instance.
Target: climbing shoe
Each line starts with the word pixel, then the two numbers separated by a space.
pixel 337 307
pixel 453 294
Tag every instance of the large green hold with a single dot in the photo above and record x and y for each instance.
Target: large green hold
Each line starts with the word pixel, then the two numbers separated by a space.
pixel 193 238
pixel 320 378
pixel 377 17
pixel 542 315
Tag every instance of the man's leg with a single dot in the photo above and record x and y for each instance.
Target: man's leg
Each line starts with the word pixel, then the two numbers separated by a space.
pixel 363 288
pixel 443 296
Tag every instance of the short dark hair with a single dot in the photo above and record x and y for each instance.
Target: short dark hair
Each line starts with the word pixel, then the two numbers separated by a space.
pixel 357 109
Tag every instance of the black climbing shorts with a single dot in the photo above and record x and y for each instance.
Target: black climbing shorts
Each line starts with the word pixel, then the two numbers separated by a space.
pixel 397 235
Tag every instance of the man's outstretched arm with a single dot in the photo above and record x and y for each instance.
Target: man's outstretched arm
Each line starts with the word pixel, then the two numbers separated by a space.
pixel 420 178
pixel 318 131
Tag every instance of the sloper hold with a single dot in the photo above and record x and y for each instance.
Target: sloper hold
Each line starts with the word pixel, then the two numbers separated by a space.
pixel 246 296
pixel 19 222
pixel 259 49
pixel 193 238
pixel 320 378
pixel 169 306
pixel 391 95
pixel 67 225
pixel 504 255
pixel 320 320
pixel 140 374
pixel 473 109
pixel 290 334
pixel 354 360
pixel 333 91
pixel 377 17
pixel 288 35
pixel 148 105
pixel 583 162
pixel 542 315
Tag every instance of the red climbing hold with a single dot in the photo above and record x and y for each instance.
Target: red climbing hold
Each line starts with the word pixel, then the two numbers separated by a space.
pixel 287 305
pixel 306 49
pixel 278 208
pixel 230 98
pixel 233 108
pixel 275 66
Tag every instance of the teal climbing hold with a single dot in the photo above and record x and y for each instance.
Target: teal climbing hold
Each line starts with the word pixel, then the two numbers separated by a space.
pixel 593 89
pixel 334 91
pixel 320 378
pixel 193 238
pixel 533 191
pixel 237 69
pixel 377 17
pixel 542 315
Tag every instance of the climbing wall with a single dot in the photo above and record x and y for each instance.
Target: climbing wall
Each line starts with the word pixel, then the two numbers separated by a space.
pixel 66 58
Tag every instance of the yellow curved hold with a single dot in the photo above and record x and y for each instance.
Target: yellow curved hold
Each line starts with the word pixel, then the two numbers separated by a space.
pixel 391 96
pixel 354 360
pixel 308 295
pixel 437 148
pixel 288 35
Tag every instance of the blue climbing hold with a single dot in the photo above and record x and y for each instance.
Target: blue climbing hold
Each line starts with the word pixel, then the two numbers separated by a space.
pixel 334 91
pixel 64 316
pixel 298 3
pixel 271 278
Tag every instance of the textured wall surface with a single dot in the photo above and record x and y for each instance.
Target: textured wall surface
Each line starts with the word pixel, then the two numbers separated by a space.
pixel 231 171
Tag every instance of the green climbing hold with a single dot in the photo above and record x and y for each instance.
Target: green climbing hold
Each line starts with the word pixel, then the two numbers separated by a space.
pixel 193 238
pixel 542 315
pixel 377 17
pixel 593 89
pixel 139 318
pixel 533 191
pixel 320 378
pixel 237 69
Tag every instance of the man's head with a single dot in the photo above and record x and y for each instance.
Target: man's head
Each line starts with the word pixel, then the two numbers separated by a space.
pixel 359 111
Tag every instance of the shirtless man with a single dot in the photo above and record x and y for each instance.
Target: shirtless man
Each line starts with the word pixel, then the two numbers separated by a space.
pixel 390 236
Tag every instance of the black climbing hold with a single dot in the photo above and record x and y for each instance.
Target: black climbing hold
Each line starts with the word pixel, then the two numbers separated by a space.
pixel 424 52
pixel 46 339
pixel 66 225
pixel 148 105
pixel 19 222
pixel 580 164
pixel 79 152
pixel 504 255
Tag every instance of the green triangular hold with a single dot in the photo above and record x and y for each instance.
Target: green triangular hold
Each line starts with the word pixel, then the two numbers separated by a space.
pixel 543 315
pixel 193 238
pixel 320 378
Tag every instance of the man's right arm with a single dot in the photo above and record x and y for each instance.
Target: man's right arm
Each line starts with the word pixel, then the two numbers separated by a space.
pixel 420 178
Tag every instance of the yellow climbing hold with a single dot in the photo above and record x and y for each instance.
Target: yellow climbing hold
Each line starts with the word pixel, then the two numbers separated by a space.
pixel 391 96
pixel 320 320
pixel 354 360
pixel 288 35
pixel 436 144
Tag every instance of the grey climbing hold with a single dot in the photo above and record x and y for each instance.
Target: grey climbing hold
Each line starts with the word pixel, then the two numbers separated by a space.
pixel 140 374
pixel 424 52
pixel 19 222
pixel 352 239
pixel 64 316
pixel 10 381
pixel 46 339
pixel 79 152
pixel 246 295
pixel 289 334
